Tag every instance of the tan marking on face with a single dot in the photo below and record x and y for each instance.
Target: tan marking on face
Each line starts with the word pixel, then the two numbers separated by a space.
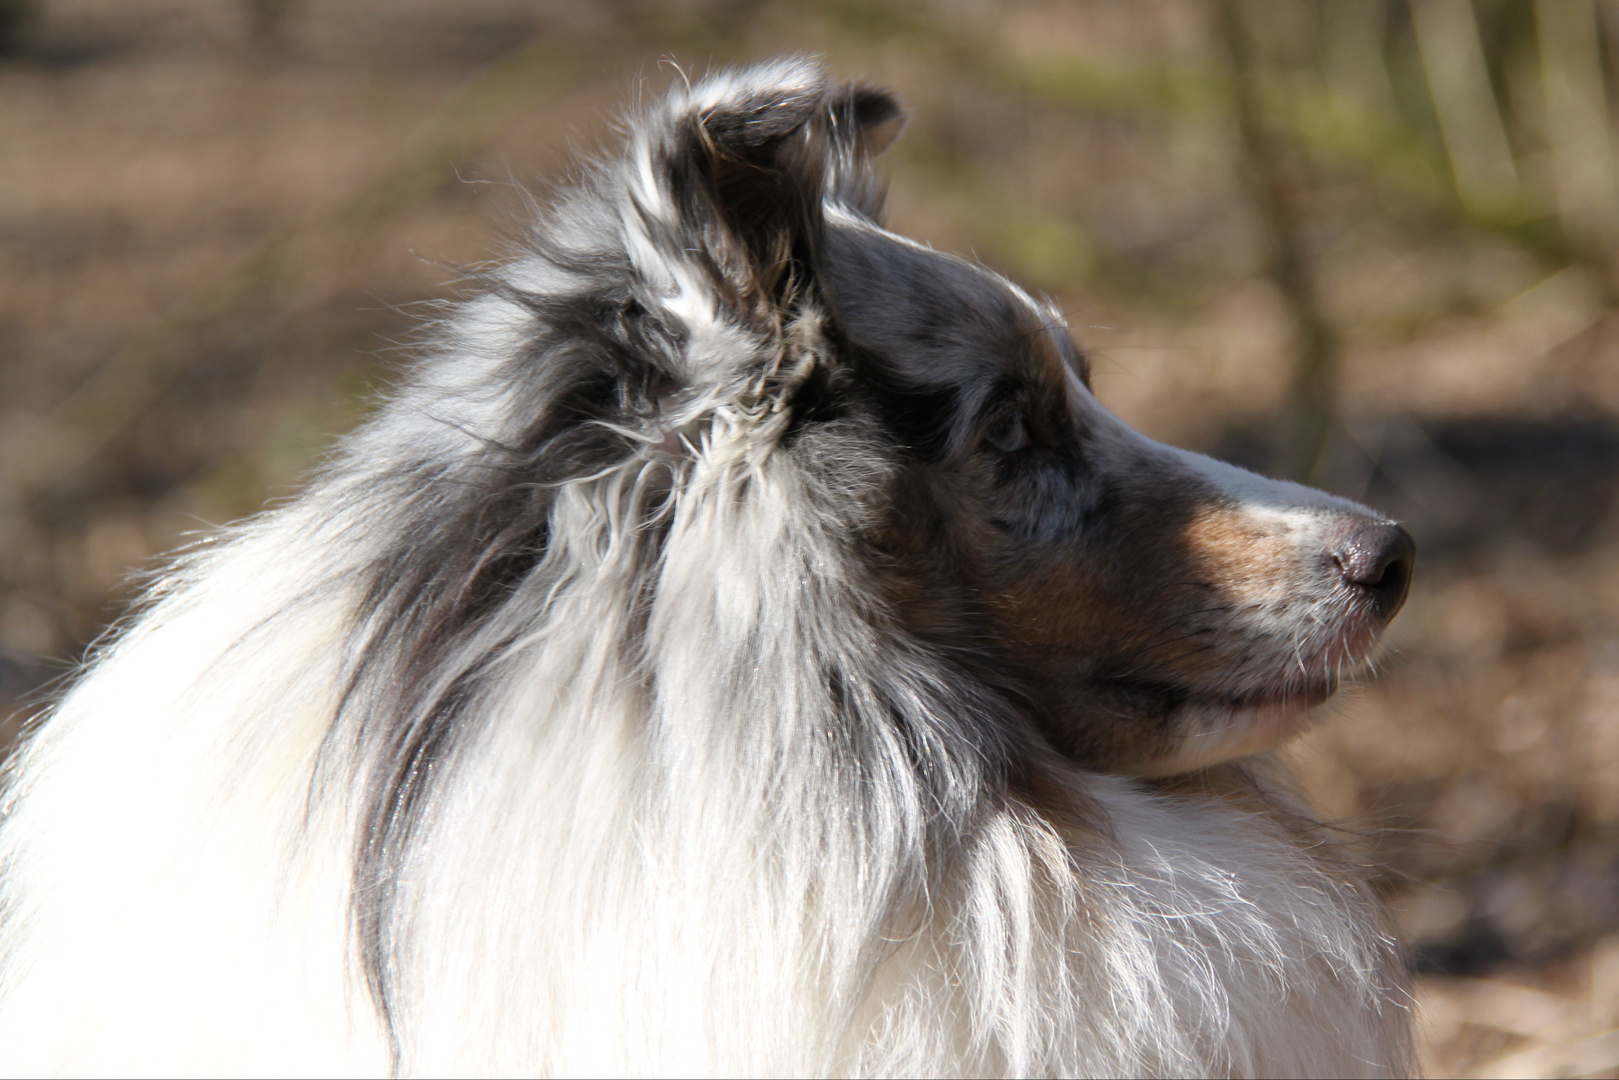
pixel 1148 601
pixel 1249 559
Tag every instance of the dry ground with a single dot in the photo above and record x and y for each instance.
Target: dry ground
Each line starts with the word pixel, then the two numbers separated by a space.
pixel 211 230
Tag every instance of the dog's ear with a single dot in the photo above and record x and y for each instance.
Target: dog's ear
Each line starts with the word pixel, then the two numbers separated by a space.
pixel 733 177
pixel 750 148
pixel 865 122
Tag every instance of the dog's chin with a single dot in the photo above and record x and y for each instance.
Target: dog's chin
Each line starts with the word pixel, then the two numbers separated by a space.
pixel 1152 729
pixel 1208 731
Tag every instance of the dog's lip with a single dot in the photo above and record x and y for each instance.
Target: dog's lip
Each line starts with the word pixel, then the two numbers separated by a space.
pixel 1221 729
pixel 1307 696
pixel 1210 727
pixel 1304 697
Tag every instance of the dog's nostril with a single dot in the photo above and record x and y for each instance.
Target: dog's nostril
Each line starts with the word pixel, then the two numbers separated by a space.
pixel 1378 559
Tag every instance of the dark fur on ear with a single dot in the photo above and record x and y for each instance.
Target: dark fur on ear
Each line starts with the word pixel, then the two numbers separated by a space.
pixel 755 155
pixel 764 170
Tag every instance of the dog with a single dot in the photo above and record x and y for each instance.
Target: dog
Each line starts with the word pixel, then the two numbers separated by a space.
pixel 743 646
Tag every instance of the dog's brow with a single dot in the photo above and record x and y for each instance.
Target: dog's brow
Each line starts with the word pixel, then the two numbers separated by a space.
pixel 1002 391
pixel 1045 344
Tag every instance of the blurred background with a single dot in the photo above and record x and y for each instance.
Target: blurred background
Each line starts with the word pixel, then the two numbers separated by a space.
pixel 1370 244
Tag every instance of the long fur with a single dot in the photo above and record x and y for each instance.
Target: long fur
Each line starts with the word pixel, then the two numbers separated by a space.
pixel 569 722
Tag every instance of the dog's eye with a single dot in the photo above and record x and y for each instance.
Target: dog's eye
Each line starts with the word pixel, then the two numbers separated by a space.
pixel 1009 434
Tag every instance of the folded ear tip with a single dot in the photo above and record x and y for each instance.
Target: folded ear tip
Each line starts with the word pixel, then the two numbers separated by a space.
pixel 744 108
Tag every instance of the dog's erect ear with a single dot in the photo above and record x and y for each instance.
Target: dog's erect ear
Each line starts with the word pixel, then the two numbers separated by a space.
pixel 733 177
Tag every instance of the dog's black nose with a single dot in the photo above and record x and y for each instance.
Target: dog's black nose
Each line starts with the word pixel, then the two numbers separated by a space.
pixel 1377 558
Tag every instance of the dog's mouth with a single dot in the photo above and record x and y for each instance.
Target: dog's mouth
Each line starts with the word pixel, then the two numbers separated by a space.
pixel 1163 730
pixel 1244 694
pixel 1212 729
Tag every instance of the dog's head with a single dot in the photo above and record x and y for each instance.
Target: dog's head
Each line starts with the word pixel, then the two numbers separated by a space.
pixel 1159 610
